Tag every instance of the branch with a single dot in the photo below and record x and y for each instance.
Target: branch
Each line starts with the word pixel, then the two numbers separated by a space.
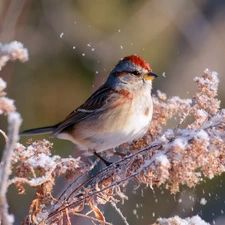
pixel 15 121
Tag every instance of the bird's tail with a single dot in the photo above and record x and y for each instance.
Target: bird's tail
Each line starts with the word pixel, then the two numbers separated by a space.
pixel 41 130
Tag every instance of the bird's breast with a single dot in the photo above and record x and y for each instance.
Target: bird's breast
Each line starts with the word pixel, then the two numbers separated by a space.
pixel 138 117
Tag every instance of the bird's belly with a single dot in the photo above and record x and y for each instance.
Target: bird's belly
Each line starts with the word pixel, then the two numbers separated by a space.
pixel 117 129
pixel 125 131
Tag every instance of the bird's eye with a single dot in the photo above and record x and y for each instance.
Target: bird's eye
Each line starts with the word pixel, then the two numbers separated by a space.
pixel 135 72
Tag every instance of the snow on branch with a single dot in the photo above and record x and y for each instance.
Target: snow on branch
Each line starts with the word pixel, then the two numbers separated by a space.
pixel 6 105
pixel 12 51
pixel 176 220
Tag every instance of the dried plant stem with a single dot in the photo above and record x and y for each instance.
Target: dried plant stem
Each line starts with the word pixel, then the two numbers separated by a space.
pixel 91 218
pixel 5 170
pixel 68 222
pixel 96 177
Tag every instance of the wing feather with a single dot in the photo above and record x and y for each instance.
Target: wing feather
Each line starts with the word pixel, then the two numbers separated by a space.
pixel 94 104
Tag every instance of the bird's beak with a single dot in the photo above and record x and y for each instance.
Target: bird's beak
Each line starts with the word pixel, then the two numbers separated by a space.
pixel 150 76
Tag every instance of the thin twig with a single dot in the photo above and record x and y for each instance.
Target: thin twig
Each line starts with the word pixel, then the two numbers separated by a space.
pixel 91 218
pixel 5 136
pixel 119 212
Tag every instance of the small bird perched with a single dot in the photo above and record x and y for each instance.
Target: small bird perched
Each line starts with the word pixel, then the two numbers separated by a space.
pixel 119 111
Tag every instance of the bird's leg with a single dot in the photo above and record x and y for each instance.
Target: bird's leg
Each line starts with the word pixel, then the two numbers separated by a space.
pixel 103 160
pixel 122 155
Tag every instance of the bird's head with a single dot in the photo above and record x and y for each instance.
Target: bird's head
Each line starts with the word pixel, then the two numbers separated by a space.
pixel 132 70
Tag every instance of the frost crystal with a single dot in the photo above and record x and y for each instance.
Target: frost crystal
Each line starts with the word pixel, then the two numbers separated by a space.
pixel 61 35
pixel 203 201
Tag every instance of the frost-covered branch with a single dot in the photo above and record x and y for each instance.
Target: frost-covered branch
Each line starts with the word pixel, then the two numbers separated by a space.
pixel 12 51
pixel 15 121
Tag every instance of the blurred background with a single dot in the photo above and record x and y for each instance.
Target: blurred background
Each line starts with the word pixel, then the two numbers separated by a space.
pixel 74 44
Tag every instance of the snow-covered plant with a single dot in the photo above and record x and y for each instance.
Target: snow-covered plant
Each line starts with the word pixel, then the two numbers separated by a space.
pixel 183 155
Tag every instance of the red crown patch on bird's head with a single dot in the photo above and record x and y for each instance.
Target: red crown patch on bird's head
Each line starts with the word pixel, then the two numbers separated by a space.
pixel 138 61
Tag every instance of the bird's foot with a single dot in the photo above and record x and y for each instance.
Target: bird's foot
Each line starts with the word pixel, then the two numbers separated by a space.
pixel 102 159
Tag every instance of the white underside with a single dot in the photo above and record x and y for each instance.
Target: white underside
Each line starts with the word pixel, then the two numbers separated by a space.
pixel 137 127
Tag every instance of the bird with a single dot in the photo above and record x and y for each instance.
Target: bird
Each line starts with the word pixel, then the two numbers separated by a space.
pixel 118 112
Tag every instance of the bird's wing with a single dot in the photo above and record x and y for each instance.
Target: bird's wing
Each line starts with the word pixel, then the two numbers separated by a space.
pixel 95 103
